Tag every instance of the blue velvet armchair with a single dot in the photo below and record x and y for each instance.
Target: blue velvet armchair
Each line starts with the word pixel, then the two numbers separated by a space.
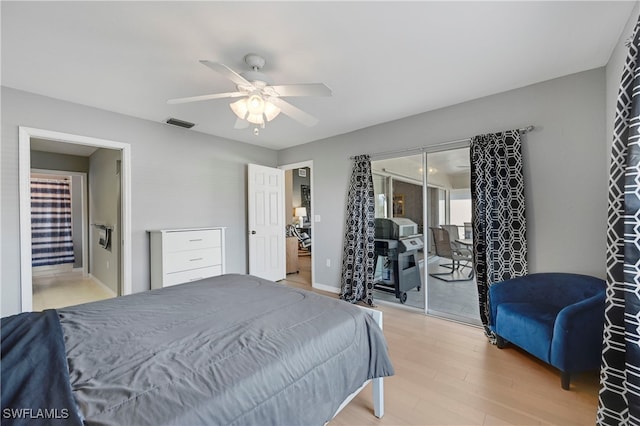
pixel 557 317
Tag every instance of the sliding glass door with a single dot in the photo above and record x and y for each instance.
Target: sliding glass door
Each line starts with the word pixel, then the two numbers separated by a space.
pixel 425 193
pixel 451 287
pixel 398 186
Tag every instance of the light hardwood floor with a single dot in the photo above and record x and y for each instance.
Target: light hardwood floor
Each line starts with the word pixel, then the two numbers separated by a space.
pixel 66 289
pixel 447 373
pixel 303 276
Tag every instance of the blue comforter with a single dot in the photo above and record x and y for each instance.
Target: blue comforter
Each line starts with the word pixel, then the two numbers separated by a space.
pixel 35 376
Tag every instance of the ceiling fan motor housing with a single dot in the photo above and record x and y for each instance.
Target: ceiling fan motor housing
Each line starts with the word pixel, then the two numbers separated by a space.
pixel 254 60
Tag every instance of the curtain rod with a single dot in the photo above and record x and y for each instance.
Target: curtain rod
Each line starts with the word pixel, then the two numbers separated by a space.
pixel 523 131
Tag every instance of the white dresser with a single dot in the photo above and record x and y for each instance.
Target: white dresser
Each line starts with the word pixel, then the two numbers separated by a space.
pixel 182 255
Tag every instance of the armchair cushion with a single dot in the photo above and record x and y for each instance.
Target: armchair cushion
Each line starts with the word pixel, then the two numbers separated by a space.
pixel 528 326
pixel 557 317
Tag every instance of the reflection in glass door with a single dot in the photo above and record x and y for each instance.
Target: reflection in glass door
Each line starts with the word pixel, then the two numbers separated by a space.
pixel 381 190
pixel 451 286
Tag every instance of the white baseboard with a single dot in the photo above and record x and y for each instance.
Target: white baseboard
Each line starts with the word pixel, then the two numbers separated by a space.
pixel 327 288
pixel 103 285
pixel 83 270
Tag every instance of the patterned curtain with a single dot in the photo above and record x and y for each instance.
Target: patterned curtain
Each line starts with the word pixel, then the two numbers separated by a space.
pixel 619 399
pixel 51 239
pixel 358 254
pixel 499 225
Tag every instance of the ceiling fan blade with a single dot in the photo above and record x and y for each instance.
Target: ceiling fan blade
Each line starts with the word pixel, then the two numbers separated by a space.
pixel 229 73
pixel 293 111
pixel 309 89
pixel 241 124
pixel 206 97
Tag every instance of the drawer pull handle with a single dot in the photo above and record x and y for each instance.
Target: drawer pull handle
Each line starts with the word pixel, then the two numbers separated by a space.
pixel 194 240
pixel 195 260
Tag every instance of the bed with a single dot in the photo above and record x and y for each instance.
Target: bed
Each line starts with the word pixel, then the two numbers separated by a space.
pixel 234 349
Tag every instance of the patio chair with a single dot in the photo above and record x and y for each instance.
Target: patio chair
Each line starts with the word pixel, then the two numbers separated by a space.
pixel 454 234
pixel 460 258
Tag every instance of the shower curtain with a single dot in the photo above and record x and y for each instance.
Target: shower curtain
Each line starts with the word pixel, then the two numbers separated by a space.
pixel 51 228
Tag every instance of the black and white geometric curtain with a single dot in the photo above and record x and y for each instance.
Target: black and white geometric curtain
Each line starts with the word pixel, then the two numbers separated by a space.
pixel 51 228
pixel 619 398
pixel 358 254
pixel 498 213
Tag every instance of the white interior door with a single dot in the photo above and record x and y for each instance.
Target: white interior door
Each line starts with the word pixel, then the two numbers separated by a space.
pixel 266 222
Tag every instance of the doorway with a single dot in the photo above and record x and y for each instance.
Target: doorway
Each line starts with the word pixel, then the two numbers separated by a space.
pixel 299 223
pixel 67 143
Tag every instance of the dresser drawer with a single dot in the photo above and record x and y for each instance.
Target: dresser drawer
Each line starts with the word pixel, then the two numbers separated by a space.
pixel 192 275
pixel 188 254
pixel 192 259
pixel 192 240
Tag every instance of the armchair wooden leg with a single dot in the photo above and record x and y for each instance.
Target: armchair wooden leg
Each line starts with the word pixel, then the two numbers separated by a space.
pixel 565 380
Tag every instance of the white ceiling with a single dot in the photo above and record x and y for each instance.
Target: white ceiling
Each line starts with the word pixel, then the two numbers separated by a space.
pixel 383 60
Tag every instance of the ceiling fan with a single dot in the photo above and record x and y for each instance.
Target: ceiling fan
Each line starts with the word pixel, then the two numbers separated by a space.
pixel 260 99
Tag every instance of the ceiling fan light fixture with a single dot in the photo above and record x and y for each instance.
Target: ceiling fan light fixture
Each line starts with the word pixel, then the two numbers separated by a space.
pixel 240 108
pixel 270 111
pixel 255 119
pixel 255 104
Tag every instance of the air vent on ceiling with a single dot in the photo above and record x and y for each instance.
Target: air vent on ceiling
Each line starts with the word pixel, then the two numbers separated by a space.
pixel 180 123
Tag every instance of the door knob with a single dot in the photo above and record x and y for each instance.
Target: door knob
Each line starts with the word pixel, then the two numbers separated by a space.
pixel 253 232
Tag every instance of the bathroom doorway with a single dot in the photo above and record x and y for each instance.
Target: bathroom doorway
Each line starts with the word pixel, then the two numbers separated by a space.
pixel 36 144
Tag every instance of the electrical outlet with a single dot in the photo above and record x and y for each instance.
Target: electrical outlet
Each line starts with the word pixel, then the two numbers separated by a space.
pixel 328 263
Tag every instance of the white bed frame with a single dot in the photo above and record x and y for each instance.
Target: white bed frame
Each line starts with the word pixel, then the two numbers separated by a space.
pixel 378 384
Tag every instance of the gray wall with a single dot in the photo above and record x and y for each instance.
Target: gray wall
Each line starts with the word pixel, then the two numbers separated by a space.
pixel 104 190
pixel 565 168
pixel 55 161
pixel 180 178
pixel 614 73
pixel 76 219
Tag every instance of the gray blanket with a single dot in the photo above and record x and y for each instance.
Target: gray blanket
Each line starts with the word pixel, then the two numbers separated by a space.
pixel 235 350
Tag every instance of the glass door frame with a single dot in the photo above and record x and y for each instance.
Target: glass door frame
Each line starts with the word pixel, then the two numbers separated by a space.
pixel 427 211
